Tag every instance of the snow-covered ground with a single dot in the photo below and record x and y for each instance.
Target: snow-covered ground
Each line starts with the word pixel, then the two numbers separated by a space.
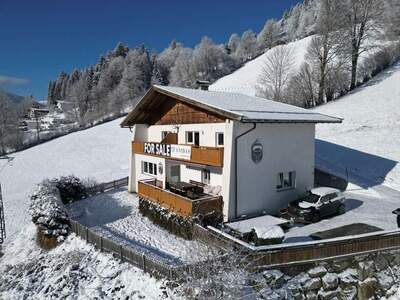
pixel 363 205
pixel 116 215
pixel 101 152
pixel 368 140
pixel 245 79
pixel 73 270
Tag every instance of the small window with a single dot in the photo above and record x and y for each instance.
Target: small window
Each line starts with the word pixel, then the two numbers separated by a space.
pixel 193 138
pixel 219 139
pixel 149 168
pixel 205 176
pixel 286 180
pixel 189 137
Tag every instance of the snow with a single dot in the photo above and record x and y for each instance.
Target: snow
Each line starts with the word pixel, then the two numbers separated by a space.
pixel 244 107
pixel 245 79
pixel 269 232
pixel 101 152
pixel 245 226
pixel 73 270
pixel 116 215
pixel 368 140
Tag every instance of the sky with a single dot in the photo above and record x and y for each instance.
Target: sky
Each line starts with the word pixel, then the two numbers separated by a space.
pixel 41 38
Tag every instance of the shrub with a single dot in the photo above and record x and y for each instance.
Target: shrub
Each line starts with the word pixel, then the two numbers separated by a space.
pixel 71 189
pixel 48 211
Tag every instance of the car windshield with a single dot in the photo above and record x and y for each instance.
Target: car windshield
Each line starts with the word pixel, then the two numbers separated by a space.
pixel 310 197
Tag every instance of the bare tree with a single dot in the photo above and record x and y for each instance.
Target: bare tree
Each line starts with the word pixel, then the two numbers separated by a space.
pixel 301 89
pixel 363 22
pixel 276 73
pixel 327 45
pixel 269 35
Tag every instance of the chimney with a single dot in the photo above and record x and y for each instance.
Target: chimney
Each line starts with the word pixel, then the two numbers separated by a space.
pixel 203 84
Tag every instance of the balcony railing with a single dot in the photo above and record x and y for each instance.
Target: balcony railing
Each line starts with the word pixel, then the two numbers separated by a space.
pixel 179 204
pixel 210 156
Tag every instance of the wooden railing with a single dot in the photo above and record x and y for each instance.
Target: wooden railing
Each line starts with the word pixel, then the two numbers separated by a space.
pixel 176 203
pixel 210 156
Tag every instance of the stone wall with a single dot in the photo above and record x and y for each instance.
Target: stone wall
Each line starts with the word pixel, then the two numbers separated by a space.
pixel 363 277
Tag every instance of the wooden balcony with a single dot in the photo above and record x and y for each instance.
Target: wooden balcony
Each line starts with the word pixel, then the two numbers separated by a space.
pixel 210 156
pixel 178 204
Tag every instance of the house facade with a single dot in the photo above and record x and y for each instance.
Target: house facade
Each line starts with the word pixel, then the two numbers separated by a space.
pixel 196 150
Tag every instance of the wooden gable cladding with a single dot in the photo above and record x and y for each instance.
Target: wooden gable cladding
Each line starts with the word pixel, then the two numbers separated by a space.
pixel 181 113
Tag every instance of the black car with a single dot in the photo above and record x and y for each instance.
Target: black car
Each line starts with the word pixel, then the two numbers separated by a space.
pixel 316 204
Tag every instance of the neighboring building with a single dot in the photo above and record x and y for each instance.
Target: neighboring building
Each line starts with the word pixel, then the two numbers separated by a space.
pixel 37 113
pixel 193 146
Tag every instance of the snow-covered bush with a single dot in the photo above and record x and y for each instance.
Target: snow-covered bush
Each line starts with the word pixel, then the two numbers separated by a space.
pixel 71 188
pixel 48 211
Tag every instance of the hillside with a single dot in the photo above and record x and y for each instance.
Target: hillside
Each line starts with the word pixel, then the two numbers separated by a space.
pixel 101 152
pixel 366 143
pixel 244 80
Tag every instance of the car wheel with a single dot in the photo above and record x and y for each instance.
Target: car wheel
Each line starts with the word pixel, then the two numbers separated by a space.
pixel 316 217
pixel 341 209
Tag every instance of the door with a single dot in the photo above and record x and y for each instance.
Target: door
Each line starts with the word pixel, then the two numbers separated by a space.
pixel 175 173
pixel 196 138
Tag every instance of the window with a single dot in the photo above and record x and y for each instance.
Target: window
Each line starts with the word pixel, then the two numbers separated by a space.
pixel 286 180
pixel 328 197
pixel 149 168
pixel 205 176
pixel 219 137
pixel 193 138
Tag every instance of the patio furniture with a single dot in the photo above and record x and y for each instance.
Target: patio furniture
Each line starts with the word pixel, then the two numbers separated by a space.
pixel 186 189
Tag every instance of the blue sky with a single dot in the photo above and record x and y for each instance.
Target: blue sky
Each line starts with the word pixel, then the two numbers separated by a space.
pixel 40 38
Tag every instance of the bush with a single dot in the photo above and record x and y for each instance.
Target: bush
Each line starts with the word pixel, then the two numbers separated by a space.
pixel 71 189
pixel 48 212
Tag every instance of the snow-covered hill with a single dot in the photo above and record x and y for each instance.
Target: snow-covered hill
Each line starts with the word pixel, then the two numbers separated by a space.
pixel 101 153
pixel 368 141
pixel 244 80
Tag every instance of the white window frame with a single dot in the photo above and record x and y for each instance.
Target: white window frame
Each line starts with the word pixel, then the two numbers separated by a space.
pixel 217 134
pixel 193 133
pixel 206 176
pixel 149 165
pixel 286 181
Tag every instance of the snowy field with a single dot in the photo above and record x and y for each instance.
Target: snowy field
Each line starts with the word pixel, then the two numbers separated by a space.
pixel 116 215
pixel 101 152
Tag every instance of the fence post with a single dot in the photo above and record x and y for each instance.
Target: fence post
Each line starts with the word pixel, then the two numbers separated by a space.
pixel 120 253
pixel 144 262
pixel 87 234
pixel 101 244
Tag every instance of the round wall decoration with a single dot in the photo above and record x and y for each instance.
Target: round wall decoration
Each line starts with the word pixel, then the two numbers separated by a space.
pixel 160 168
pixel 256 152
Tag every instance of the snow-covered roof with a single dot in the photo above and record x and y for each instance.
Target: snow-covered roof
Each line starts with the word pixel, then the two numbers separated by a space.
pixel 245 226
pixel 244 108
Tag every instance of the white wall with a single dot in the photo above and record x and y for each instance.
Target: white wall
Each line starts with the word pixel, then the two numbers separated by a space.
pixel 155 160
pixel 207 132
pixel 286 147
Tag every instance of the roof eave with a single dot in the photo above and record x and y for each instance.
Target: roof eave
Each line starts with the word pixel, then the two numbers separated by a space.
pixel 289 121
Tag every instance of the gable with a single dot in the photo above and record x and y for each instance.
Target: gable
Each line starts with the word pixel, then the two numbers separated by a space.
pixel 182 113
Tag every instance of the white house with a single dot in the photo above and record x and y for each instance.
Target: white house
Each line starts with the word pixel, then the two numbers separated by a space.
pixel 192 147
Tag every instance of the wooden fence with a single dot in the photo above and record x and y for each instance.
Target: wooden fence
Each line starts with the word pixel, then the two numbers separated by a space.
pixel 107 186
pixel 313 251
